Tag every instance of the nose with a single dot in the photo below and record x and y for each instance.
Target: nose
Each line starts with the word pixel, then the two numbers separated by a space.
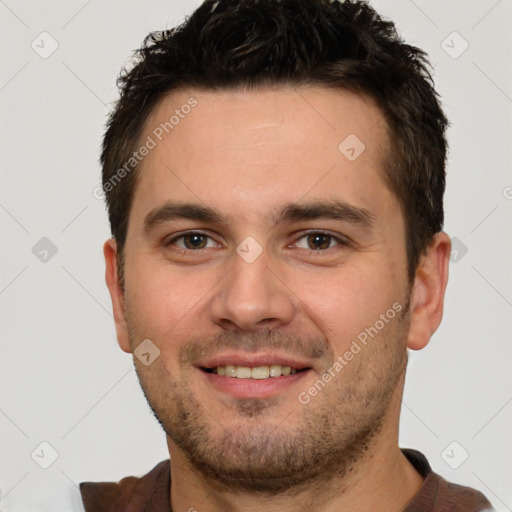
pixel 252 297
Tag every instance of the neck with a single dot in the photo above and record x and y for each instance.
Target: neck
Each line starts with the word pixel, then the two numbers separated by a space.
pixel 382 480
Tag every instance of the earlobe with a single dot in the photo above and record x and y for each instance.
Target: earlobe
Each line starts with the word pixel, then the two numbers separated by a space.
pixel 427 295
pixel 116 294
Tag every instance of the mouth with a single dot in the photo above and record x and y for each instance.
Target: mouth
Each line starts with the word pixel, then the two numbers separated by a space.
pixel 258 381
pixel 254 372
pixel 254 375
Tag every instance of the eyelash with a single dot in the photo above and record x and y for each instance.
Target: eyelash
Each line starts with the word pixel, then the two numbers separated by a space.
pixel 341 242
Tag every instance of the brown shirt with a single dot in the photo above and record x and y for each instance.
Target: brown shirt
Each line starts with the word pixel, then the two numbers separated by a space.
pixel 150 493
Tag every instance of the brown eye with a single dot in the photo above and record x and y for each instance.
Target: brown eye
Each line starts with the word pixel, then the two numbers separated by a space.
pixel 192 241
pixel 318 241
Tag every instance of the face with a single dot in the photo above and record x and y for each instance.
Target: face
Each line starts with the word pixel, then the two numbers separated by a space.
pixel 264 243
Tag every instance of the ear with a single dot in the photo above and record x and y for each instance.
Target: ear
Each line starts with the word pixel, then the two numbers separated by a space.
pixel 427 296
pixel 116 294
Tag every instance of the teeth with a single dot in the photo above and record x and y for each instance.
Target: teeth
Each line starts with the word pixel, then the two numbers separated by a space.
pixel 243 372
pixel 258 372
pixel 230 370
pixel 275 370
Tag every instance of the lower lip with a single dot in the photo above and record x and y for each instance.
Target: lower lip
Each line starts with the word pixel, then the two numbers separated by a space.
pixel 253 388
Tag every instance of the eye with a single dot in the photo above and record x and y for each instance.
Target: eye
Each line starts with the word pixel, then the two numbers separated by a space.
pixel 319 241
pixel 316 241
pixel 192 241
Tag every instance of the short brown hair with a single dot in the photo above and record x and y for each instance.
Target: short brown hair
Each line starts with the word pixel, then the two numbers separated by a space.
pixel 250 43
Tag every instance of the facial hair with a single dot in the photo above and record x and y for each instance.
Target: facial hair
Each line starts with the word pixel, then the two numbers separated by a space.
pixel 324 439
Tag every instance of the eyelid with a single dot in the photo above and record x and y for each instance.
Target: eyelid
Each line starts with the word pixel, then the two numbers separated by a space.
pixel 177 236
pixel 341 239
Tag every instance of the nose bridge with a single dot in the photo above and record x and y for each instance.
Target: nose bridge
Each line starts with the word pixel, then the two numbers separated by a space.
pixel 252 296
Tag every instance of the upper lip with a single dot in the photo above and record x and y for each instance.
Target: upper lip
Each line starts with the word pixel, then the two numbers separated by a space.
pixel 253 360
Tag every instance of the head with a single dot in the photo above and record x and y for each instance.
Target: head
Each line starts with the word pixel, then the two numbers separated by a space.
pixel 304 144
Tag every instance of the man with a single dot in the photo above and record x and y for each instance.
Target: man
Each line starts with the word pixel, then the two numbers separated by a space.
pixel 274 175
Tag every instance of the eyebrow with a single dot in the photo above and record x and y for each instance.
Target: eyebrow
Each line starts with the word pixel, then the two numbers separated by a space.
pixel 291 212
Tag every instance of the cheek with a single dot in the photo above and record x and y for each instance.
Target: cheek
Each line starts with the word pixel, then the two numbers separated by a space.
pixel 163 299
pixel 350 301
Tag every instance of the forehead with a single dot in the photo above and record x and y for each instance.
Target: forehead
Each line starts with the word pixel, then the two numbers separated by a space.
pixel 248 150
pixel 293 115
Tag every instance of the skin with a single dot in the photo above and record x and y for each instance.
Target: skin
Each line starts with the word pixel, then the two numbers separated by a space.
pixel 246 154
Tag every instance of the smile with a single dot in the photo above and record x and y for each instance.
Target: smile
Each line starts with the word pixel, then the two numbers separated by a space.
pixel 257 372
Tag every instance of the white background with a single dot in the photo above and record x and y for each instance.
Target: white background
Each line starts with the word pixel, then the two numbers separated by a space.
pixel 63 378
